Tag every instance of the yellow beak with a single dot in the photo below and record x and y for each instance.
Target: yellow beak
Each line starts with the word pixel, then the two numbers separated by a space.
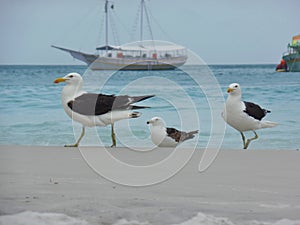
pixel 229 90
pixel 60 79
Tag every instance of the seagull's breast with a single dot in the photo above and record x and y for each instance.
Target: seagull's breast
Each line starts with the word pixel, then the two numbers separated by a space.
pixel 159 137
pixel 158 134
pixel 232 110
pixel 86 120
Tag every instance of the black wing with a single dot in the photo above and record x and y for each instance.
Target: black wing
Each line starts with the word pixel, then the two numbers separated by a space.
pixel 255 110
pixel 98 104
pixel 180 136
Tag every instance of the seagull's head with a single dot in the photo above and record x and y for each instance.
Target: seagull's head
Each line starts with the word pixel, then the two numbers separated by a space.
pixel 71 78
pixel 156 121
pixel 234 89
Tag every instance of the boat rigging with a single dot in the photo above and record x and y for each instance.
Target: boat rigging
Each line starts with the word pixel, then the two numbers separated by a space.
pixel 139 55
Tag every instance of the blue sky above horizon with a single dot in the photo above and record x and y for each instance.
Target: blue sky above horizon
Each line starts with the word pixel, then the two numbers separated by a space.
pixel 220 32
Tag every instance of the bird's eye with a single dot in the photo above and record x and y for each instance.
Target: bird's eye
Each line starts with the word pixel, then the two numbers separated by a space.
pixel 236 86
pixel 71 76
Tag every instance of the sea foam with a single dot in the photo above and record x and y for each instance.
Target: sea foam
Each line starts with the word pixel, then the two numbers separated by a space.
pixel 205 219
pixel 37 218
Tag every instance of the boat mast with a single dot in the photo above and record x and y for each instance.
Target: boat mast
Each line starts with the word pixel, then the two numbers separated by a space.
pixel 106 25
pixel 144 8
pixel 142 15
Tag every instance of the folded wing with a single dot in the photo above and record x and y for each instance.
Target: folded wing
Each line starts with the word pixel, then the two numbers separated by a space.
pixel 255 110
pixel 98 104
pixel 180 136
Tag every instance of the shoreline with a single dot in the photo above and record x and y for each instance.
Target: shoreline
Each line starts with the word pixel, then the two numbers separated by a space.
pixel 243 185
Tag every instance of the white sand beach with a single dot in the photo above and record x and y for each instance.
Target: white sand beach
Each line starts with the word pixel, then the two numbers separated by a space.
pixel 241 185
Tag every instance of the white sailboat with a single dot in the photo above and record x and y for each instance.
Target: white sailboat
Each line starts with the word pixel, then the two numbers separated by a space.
pixel 140 55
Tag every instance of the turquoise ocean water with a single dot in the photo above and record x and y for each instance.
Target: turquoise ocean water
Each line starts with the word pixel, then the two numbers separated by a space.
pixel 31 111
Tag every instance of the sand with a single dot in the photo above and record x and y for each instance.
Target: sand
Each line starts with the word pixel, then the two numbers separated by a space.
pixel 241 185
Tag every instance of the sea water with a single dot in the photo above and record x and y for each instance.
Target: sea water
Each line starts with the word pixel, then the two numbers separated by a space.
pixel 31 112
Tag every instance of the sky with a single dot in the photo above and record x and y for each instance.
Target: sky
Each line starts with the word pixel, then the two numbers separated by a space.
pixel 219 31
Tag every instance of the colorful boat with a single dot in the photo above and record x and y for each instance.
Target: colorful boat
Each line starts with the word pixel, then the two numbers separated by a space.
pixel 292 56
pixel 140 55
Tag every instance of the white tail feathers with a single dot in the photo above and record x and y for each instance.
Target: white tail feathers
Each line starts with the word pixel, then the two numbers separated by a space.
pixel 268 124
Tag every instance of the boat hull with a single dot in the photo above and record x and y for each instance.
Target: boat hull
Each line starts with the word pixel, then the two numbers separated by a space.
pixel 97 62
pixel 293 62
pixel 105 63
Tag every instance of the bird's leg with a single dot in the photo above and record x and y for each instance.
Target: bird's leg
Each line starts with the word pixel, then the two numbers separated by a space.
pixel 79 139
pixel 251 139
pixel 244 139
pixel 113 136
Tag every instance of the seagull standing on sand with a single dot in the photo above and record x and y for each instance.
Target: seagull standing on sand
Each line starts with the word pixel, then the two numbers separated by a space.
pixel 244 116
pixel 91 109
pixel 167 137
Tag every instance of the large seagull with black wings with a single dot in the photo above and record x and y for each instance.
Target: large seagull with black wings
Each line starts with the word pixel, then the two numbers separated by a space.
pixel 91 109
pixel 244 116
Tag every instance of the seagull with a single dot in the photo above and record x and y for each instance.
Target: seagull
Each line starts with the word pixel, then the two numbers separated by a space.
pixel 244 116
pixel 92 109
pixel 167 137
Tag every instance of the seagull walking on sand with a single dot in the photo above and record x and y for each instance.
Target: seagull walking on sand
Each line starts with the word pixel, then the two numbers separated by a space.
pixel 244 116
pixel 167 137
pixel 92 109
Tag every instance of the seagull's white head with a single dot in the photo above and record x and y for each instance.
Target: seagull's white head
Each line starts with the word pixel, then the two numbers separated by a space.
pixel 71 78
pixel 156 121
pixel 234 89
